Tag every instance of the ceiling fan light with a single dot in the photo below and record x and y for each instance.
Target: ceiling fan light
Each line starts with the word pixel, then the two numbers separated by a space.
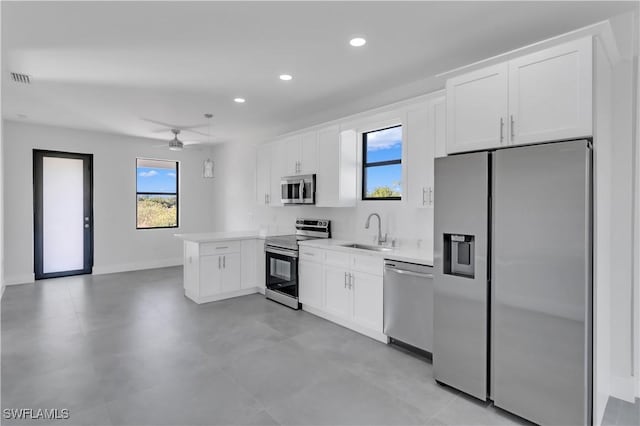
pixel 175 145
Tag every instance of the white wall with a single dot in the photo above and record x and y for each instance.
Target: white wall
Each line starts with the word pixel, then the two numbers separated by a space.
pixel 636 50
pixel 623 258
pixel 118 245
pixel 2 282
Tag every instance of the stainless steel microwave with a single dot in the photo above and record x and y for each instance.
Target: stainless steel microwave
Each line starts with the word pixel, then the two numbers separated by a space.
pixel 298 189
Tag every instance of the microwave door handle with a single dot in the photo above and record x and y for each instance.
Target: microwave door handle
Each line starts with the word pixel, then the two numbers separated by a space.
pixel 301 191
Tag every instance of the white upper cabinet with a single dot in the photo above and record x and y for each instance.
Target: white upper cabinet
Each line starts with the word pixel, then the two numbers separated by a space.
pixel 420 150
pixel 270 168
pixel 302 153
pixel 439 111
pixel 426 130
pixel 308 159
pixel 540 97
pixel 263 174
pixel 278 170
pixel 329 153
pixel 292 162
pixel 550 94
pixel 477 109
pixel 337 168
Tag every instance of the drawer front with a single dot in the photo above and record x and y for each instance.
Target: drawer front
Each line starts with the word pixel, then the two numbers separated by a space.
pixel 370 264
pixel 310 254
pixel 337 258
pixel 220 247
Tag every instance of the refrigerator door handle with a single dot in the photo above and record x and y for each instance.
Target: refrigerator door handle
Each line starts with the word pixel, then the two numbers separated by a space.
pixel 501 130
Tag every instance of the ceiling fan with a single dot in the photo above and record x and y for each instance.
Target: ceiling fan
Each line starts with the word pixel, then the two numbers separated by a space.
pixel 176 144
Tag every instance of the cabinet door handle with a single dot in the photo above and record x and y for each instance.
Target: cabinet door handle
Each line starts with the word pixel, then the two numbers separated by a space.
pixel 219 261
pixel 224 262
pixel 513 127
pixel 345 280
pixel 351 280
pixel 430 195
pixel 424 190
pixel 222 247
pixel 501 130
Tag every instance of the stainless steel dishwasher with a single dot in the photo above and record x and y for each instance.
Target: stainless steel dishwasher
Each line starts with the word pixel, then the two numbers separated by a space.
pixel 408 303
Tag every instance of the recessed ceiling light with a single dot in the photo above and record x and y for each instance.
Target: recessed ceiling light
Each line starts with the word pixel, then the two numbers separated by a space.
pixel 285 77
pixel 239 100
pixel 357 42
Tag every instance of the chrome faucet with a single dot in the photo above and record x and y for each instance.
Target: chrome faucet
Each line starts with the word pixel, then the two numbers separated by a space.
pixel 381 239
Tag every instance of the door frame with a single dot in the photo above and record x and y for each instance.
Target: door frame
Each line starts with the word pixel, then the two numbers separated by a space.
pixel 38 157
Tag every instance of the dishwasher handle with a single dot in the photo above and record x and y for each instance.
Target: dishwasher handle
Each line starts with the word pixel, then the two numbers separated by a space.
pixel 410 273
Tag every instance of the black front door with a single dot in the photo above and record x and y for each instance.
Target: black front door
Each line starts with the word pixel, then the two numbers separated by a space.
pixel 63 213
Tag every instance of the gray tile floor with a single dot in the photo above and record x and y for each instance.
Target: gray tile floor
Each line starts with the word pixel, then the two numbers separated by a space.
pixel 130 349
pixel 619 412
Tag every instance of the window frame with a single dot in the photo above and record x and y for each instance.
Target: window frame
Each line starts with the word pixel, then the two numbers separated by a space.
pixel 366 165
pixel 177 194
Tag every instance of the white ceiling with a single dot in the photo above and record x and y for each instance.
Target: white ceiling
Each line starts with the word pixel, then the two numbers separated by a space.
pixel 110 66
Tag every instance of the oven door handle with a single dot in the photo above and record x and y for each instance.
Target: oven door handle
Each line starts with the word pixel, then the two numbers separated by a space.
pixel 282 252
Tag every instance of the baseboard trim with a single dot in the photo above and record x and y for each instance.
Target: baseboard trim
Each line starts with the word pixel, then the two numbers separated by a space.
pixel 623 388
pixel 376 335
pixel 19 279
pixel 221 296
pixel 136 266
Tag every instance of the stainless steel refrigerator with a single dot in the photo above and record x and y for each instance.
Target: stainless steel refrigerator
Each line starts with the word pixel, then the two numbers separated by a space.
pixel 513 279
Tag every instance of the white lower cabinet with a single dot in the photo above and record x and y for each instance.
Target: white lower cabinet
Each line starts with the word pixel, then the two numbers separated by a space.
pixel 230 279
pixel 248 262
pixel 335 286
pixel 367 292
pixel 337 294
pixel 219 270
pixel 311 293
pixel 210 275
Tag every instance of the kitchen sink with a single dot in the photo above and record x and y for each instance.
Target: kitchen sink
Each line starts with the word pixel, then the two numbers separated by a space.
pixel 367 247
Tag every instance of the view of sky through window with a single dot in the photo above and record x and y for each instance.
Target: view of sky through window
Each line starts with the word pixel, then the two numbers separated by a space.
pixel 383 181
pixel 157 194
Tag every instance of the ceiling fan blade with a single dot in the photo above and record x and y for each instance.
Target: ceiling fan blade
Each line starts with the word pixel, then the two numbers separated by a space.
pixel 161 123
pixel 194 126
pixel 174 126
pixel 193 131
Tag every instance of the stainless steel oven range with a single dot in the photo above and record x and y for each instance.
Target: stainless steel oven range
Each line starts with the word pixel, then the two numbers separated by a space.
pixel 281 254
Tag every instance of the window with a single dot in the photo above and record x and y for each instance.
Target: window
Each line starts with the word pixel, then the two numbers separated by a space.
pixel 156 193
pixel 382 164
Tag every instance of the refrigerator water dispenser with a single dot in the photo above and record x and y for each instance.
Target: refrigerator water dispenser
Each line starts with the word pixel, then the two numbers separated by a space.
pixel 459 255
